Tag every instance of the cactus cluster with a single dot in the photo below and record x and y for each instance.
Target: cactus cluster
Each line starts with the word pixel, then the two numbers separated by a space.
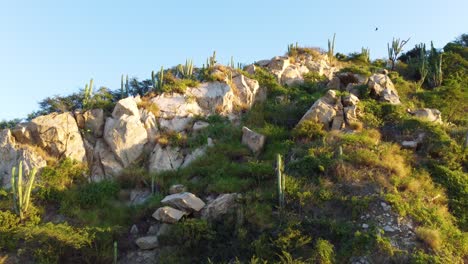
pixel 366 53
pixel 21 191
pixel 160 79
pixel 281 180
pixel 292 49
pixel 435 67
pixel 211 61
pixel 331 49
pixel 88 94
pixel 186 70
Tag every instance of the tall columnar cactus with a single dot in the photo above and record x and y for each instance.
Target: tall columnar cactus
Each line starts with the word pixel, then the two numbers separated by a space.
pixel 126 85
pixel 115 252
pixel 88 93
pixel 21 191
pixel 232 62
pixel 122 91
pixel 395 49
pixel 435 67
pixel 161 78
pixel 186 70
pixel 422 63
pixel 211 61
pixel 366 53
pixel 281 180
pixel 331 49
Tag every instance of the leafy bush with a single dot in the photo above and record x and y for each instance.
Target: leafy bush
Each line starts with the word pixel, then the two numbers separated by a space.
pixel 308 130
pixel 323 252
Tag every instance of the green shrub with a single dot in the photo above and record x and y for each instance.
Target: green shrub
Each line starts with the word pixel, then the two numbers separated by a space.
pixel 323 252
pixel 92 195
pixel 308 130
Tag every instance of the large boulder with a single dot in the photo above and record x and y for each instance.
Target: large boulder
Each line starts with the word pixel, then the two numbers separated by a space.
pixel 383 89
pixel 177 124
pixel 176 105
pixel 165 158
pixel 127 106
pixel 94 122
pixel 126 137
pixel 428 114
pixel 255 141
pixel 323 110
pixel 293 75
pixel 213 98
pixel 168 215
pixel 11 154
pixel 104 162
pixel 59 135
pixel 184 201
pixel 247 89
pixel 277 65
pixel 150 123
pixel 219 206
pixel 147 242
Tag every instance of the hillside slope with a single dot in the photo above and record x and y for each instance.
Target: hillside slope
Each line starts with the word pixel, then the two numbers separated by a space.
pixel 304 158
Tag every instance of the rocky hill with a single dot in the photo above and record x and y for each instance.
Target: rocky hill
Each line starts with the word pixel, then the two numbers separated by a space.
pixel 303 158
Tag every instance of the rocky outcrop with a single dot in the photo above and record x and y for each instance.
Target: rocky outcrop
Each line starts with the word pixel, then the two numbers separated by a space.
pixel 168 215
pixel 291 71
pixel 382 88
pixel 184 201
pixel 11 154
pixel 333 111
pixel 219 206
pixel 165 158
pixel 428 114
pixel 59 135
pixel 253 140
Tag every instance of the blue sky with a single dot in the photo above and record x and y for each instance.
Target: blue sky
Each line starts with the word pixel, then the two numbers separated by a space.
pixel 55 47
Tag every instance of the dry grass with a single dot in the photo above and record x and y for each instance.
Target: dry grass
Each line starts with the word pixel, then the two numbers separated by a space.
pixel 151 107
pixel 430 237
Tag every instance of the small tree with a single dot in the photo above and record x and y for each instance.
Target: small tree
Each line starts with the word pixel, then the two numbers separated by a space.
pixel 395 49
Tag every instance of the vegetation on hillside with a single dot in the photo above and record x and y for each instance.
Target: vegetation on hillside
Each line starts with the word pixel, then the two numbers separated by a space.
pixel 332 180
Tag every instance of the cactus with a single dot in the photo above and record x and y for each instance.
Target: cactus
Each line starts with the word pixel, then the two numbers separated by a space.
pixel 88 93
pixel 161 78
pixel 331 49
pixel 21 193
pixel 366 53
pixel 211 61
pixel 395 49
pixel 422 63
pixel 435 67
pixel 232 62
pixel 126 85
pixel 281 180
pixel 122 87
pixel 186 70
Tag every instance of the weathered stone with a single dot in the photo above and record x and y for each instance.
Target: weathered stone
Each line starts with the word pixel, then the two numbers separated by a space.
pixel 94 122
pixel 59 135
pixel 22 134
pixel 338 122
pixel 150 123
pixel 382 87
pixel 147 242
pixel 199 125
pixel 184 201
pixel 11 155
pixel 250 69
pixel 213 98
pixel 176 188
pixel 291 76
pixel 219 206
pixel 350 113
pixel 127 106
pixel 253 140
pixel 140 257
pixel 277 66
pixel 177 105
pixel 177 124
pixel 431 115
pixel 195 154
pixel 349 100
pixel 168 215
pixel 163 159
pixel 323 110
pixel 104 162
pixel 247 90
pixel 334 84
pixel 138 197
pixel 126 137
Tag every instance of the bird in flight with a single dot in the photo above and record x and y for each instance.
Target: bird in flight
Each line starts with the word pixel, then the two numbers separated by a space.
pixel 376 28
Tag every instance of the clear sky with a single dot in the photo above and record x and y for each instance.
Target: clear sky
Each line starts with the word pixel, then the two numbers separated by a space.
pixel 55 47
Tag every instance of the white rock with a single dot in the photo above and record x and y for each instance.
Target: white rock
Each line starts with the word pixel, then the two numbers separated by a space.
pixel 365 226
pixel 184 201
pixel 431 115
pixel 255 141
pixel 382 87
pixel 163 159
pixel 127 106
pixel 177 105
pixel 126 138
pixel 219 206
pixel 168 215
pixel 176 188
pixel 177 124
pixel 199 125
